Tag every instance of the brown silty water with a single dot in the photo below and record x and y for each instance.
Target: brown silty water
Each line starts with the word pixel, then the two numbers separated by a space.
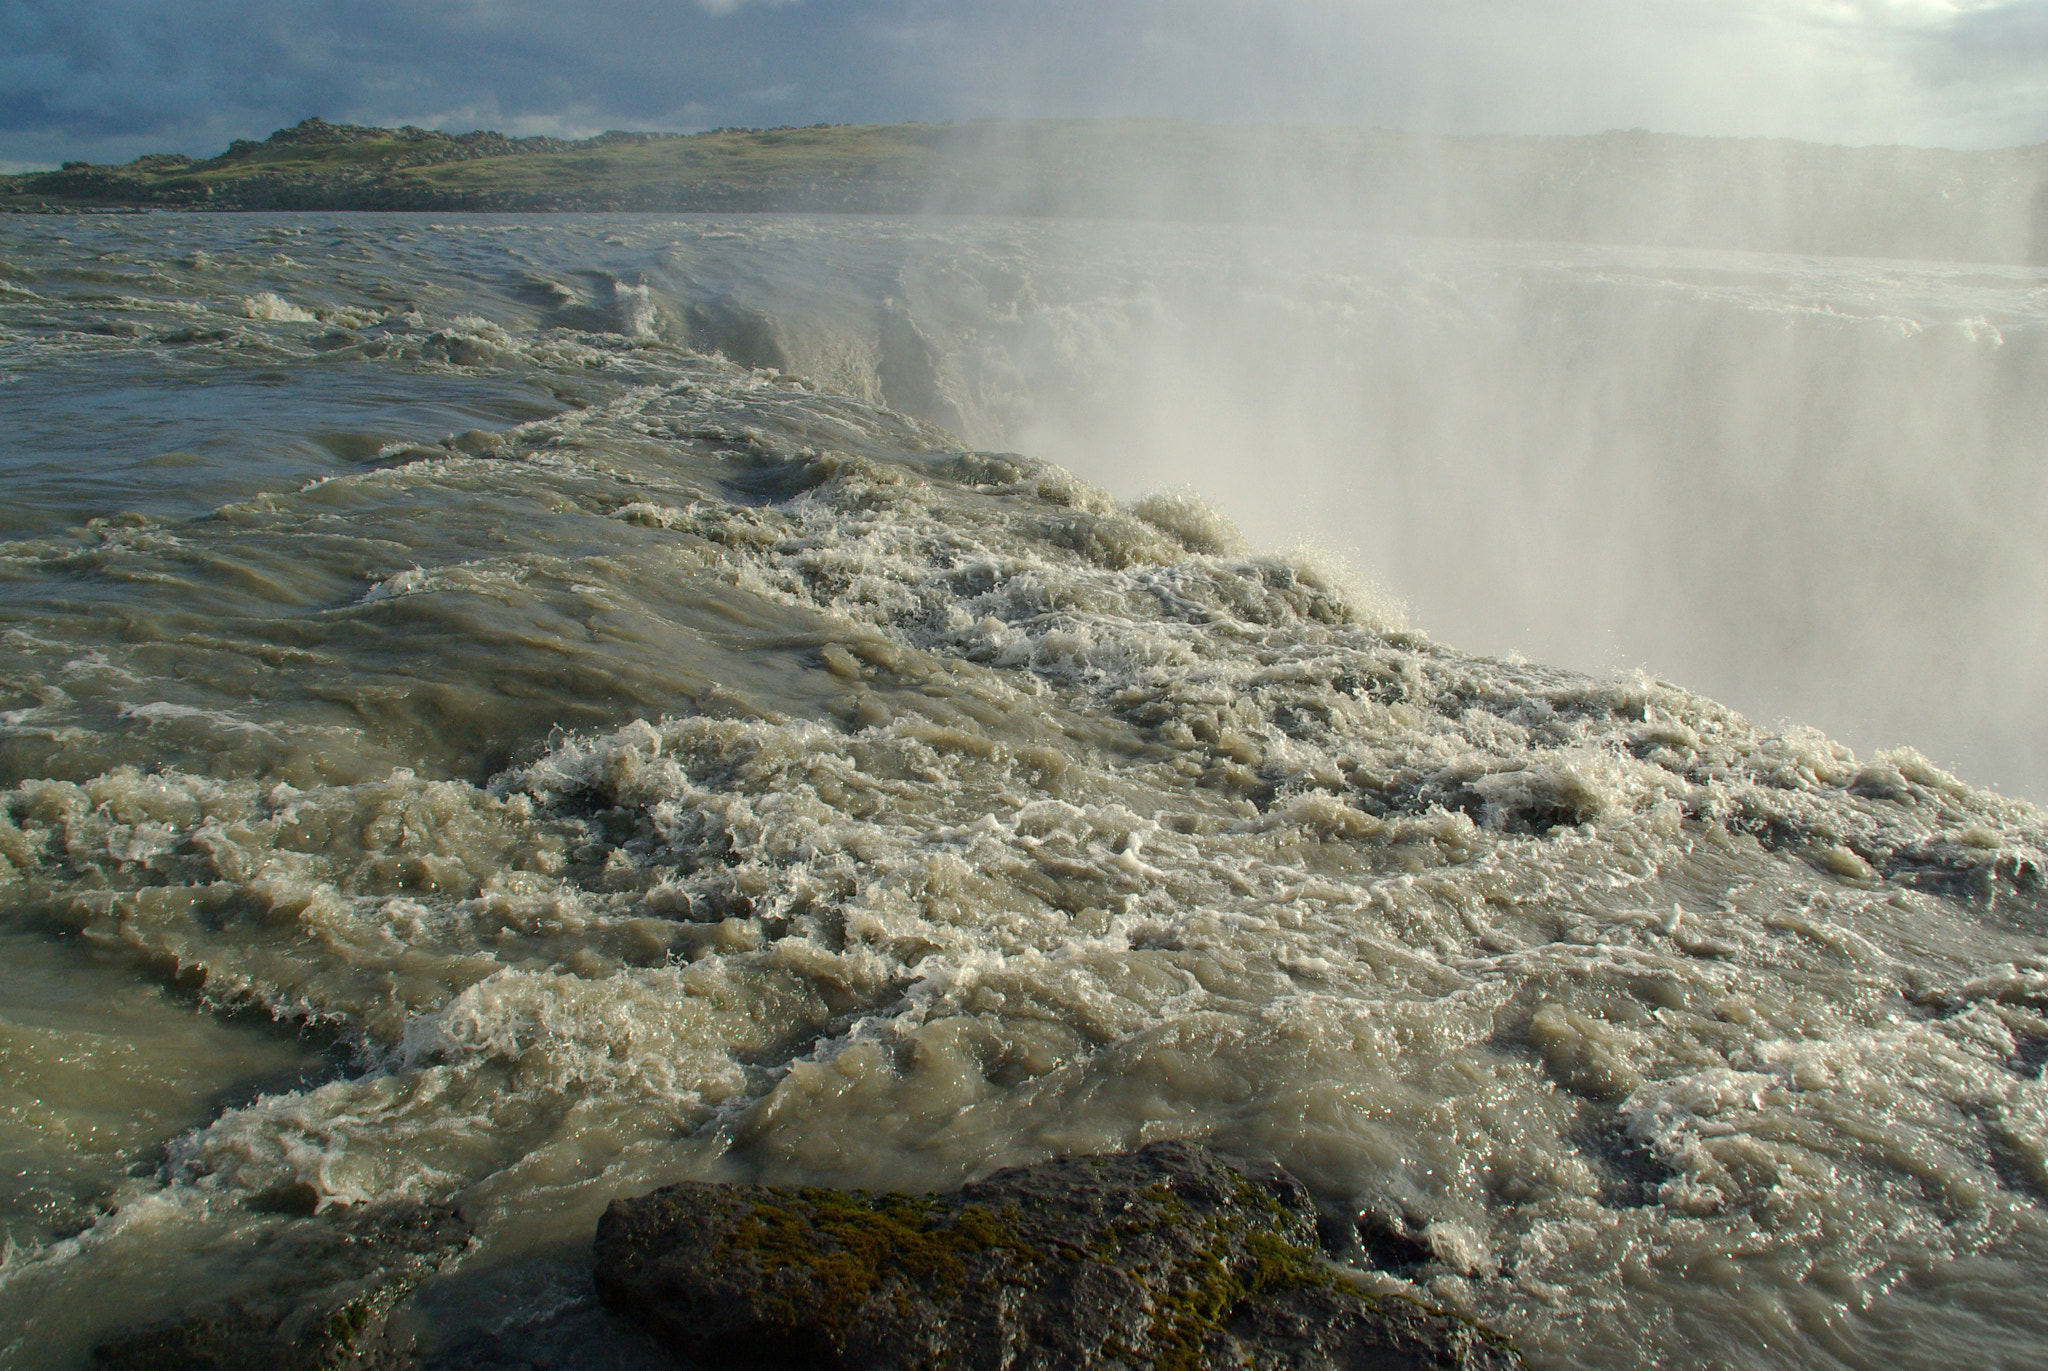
pixel 466 741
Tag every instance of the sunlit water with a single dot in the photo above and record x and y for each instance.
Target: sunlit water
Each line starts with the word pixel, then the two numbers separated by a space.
pixel 464 742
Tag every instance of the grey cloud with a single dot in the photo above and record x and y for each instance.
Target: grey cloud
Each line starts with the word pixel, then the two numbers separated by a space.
pixel 140 74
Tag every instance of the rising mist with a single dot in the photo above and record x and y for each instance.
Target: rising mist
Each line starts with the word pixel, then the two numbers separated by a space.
pixel 1575 421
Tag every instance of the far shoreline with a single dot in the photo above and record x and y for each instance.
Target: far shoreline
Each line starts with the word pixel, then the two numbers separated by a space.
pixel 1634 188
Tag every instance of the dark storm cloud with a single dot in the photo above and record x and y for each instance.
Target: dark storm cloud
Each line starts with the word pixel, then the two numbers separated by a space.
pixel 177 74
pixel 110 78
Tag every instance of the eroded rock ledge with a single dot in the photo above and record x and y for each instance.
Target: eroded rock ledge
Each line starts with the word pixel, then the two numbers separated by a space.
pixel 1168 1257
pixel 320 1299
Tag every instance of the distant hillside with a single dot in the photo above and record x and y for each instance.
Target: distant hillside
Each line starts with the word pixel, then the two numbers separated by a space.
pixel 318 165
pixel 1768 195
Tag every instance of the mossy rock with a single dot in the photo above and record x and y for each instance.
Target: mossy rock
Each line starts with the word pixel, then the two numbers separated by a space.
pixel 328 1286
pixel 1169 1257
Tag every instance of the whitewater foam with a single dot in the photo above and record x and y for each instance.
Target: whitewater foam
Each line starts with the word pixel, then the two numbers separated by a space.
pixel 701 773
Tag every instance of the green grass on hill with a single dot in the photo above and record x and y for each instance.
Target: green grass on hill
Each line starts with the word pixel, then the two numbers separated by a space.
pixel 323 166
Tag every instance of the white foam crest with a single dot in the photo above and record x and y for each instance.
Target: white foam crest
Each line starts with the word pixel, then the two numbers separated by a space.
pixel 274 308
pixel 635 308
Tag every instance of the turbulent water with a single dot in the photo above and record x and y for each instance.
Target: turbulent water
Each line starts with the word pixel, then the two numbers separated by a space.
pixel 464 740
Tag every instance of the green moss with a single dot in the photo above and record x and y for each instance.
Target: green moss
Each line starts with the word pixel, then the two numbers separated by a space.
pixel 846 1250
pixel 853 1247
pixel 343 1327
pixel 335 1345
pixel 1212 1289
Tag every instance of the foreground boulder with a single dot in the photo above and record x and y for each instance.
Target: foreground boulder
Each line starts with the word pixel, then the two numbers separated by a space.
pixel 326 1288
pixel 1168 1257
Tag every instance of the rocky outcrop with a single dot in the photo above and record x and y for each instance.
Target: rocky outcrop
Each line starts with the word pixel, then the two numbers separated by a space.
pixel 328 1287
pixel 1168 1257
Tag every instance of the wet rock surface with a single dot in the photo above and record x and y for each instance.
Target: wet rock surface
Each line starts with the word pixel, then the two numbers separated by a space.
pixel 1166 1257
pixel 327 1292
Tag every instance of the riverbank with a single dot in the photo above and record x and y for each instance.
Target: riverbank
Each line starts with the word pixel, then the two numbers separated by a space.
pixel 1633 187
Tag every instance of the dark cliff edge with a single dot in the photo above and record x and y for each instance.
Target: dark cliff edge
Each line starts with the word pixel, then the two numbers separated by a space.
pixel 318 1295
pixel 1767 195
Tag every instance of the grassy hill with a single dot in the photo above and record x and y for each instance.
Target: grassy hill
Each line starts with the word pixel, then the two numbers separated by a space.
pixel 318 165
pixel 1763 194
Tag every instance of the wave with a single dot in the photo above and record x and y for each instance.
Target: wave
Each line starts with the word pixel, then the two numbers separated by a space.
pixel 725 776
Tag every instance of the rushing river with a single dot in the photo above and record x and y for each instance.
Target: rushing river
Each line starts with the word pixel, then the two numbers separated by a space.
pixel 513 711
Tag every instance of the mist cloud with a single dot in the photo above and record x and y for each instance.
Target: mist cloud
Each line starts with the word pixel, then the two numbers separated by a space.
pixel 110 79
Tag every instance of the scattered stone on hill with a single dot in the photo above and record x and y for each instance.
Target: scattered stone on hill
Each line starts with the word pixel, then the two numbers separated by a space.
pixel 412 145
pixel 1167 1257
pixel 327 1287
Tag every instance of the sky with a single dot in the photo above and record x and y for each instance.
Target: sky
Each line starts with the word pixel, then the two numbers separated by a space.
pixel 105 80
